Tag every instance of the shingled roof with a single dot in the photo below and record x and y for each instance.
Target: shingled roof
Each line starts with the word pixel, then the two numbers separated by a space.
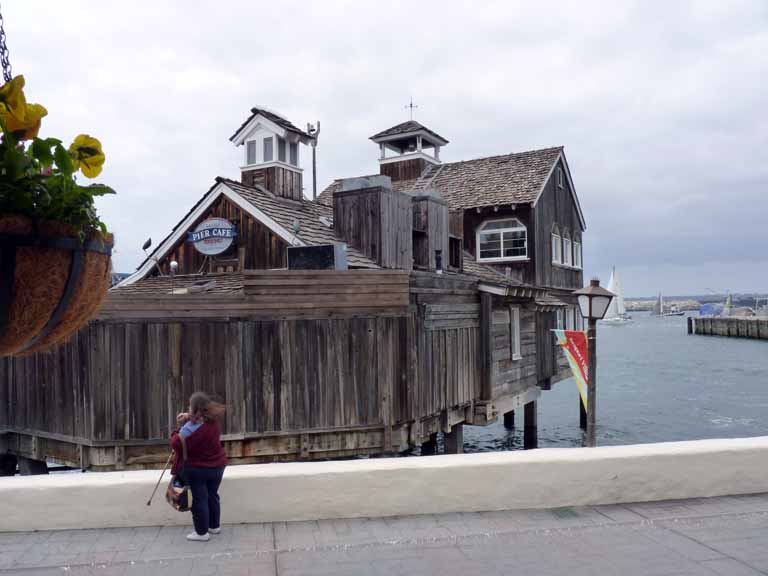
pixel 508 179
pixel 272 117
pixel 407 128
pixel 224 283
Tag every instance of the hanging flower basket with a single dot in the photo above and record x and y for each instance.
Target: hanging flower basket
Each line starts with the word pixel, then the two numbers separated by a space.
pixel 54 251
pixel 51 281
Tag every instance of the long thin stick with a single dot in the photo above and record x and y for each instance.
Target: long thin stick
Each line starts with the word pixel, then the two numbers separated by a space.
pixel 149 502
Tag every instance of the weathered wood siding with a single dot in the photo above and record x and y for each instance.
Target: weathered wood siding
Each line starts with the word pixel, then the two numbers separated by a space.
pixel 555 207
pixel 512 376
pixel 545 346
pixel 431 217
pixel 404 170
pixel 257 245
pixel 278 180
pixel 377 222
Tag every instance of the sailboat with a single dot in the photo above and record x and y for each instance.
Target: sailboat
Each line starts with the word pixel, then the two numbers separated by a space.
pixel 658 309
pixel 616 313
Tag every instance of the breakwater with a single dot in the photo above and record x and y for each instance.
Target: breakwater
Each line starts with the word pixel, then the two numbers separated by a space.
pixel 755 328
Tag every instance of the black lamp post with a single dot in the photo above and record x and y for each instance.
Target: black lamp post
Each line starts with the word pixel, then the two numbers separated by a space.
pixel 593 303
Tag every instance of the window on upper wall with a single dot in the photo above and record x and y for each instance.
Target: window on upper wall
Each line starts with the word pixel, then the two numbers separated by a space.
pixel 570 318
pixel 579 319
pixel 514 333
pixel 567 251
pixel 251 152
pixel 557 249
pixel 294 153
pixel 268 155
pixel 577 255
pixel 559 319
pixel 559 177
pixel 502 240
pixel 281 149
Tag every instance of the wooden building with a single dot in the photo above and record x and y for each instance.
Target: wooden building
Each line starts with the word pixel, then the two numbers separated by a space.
pixel 435 311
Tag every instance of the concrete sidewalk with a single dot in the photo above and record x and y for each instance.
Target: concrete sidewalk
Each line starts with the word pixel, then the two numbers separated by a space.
pixel 727 535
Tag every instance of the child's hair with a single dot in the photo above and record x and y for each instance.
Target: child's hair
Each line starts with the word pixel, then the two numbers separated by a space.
pixel 201 405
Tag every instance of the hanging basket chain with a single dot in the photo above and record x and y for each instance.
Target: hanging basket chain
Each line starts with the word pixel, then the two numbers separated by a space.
pixel 4 54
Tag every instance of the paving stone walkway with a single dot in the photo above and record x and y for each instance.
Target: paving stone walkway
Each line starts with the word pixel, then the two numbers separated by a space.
pixel 727 536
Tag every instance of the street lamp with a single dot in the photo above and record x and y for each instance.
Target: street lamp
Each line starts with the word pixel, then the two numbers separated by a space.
pixel 593 302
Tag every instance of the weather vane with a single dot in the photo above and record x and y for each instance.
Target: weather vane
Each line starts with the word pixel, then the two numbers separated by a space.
pixel 411 106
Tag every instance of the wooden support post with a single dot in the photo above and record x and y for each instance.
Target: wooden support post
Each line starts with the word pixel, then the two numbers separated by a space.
pixel 690 324
pixel 454 440
pixel 509 420
pixel 582 415
pixel 531 426
pixel 30 467
pixel 7 465
pixel 486 345
pixel 429 448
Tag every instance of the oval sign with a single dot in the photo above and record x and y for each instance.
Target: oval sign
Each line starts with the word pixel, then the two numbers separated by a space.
pixel 213 236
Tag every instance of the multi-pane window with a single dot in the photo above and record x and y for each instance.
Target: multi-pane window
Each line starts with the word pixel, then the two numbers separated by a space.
pixel 251 152
pixel 294 153
pixel 567 252
pixel 514 332
pixel 577 254
pixel 281 149
pixel 268 155
pixel 570 318
pixel 502 240
pixel 559 319
pixel 557 249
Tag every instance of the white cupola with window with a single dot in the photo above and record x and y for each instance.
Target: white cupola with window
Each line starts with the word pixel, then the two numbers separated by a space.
pixel 407 149
pixel 271 153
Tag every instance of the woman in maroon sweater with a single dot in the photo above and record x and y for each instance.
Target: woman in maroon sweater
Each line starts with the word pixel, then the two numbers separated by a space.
pixel 205 462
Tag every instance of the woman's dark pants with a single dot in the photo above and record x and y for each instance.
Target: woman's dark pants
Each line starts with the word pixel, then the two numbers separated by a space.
pixel 206 508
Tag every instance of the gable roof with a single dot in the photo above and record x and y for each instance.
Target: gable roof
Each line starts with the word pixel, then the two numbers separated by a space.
pixel 407 128
pixel 277 214
pixel 508 179
pixel 272 117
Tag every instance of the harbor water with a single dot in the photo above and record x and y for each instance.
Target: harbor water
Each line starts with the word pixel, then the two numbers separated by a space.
pixel 655 384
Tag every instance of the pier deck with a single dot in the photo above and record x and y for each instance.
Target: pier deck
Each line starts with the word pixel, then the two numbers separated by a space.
pixel 724 535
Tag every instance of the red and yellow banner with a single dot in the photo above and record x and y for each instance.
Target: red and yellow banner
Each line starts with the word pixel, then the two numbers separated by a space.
pixel 574 345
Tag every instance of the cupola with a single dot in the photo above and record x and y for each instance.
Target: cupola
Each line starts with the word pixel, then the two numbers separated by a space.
pixel 271 153
pixel 407 150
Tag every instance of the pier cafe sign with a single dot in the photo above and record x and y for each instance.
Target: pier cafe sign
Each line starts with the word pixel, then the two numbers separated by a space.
pixel 213 236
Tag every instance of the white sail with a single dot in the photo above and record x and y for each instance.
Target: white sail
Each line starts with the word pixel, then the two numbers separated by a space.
pixel 619 291
pixel 613 307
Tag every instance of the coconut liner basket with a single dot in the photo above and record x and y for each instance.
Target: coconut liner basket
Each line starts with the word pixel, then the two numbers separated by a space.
pixel 51 282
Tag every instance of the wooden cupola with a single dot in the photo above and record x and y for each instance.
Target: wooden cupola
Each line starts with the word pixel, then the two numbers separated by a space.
pixel 271 153
pixel 409 144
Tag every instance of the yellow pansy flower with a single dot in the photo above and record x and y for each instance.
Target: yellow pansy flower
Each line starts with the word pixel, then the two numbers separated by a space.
pixel 18 117
pixel 87 155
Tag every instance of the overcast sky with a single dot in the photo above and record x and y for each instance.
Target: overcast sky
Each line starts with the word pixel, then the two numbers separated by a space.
pixel 662 107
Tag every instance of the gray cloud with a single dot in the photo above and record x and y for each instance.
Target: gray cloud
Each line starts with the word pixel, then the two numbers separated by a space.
pixel 661 106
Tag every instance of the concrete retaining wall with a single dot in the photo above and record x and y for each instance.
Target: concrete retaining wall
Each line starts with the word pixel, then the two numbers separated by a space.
pixel 735 327
pixel 545 478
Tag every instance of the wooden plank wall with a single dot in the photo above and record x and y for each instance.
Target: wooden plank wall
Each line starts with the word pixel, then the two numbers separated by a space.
pixel 430 215
pixel 278 180
pixel 263 249
pixel 127 380
pixel 512 376
pixel 376 221
pixel 545 343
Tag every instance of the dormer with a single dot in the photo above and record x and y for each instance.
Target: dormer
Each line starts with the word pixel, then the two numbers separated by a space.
pixel 271 157
pixel 407 149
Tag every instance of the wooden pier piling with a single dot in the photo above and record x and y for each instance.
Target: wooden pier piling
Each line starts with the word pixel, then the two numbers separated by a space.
pixel 755 328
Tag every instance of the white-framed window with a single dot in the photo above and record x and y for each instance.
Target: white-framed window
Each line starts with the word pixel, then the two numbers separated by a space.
pixel 250 152
pixel 579 319
pixel 567 251
pixel 557 248
pixel 281 149
pixel 570 318
pixel 514 333
pixel 577 255
pixel 268 153
pixel 293 153
pixel 499 240
pixel 559 319
pixel 559 177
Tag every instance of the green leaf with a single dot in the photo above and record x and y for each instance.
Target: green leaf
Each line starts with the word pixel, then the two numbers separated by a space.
pixel 41 151
pixel 99 189
pixel 63 160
